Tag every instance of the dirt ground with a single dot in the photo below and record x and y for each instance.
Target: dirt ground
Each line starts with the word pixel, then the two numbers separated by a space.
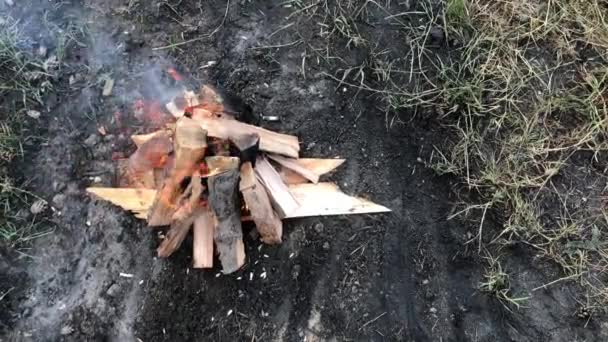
pixel 404 276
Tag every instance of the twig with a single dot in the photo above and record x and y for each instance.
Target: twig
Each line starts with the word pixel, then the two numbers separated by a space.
pixel 6 293
pixel 556 281
pixel 216 30
pixel 373 320
pixel 277 46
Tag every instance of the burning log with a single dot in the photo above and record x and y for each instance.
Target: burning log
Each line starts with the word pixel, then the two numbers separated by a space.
pixel 202 248
pixel 223 199
pixel 150 155
pixel 190 145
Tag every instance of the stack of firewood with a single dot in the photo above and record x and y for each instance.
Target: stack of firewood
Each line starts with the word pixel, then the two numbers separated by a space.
pixel 207 172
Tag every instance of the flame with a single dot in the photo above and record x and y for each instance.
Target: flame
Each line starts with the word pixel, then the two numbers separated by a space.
pixel 174 74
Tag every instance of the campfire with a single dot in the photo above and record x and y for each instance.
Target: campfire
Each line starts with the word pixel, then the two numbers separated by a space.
pixel 205 171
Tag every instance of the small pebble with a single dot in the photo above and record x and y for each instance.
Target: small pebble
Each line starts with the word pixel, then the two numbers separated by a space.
pixel 326 245
pixel 34 114
pixel 92 140
pixel 433 310
pixel 38 207
pixel 42 50
pixel 113 290
pixel 319 227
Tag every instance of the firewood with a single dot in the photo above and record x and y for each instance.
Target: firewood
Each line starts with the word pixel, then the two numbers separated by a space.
pixel 324 199
pixel 292 164
pixel 209 99
pixel 190 144
pixel 283 201
pixel 202 248
pixel 176 234
pixel 267 222
pixel 150 155
pixel 135 200
pixel 190 199
pixel 140 139
pixel 315 165
pixel 223 200
pixel 283 144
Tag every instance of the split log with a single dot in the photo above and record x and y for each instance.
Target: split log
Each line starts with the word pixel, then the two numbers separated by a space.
pixel 176 234
pixel 324 199
pixel 140 139
pixel 284 202
pixel 135 200
pixel 293 165
pixel 190 145
pixel 317 166
pixel 190 199
pixel 232 130
pixel 267 222
pixel 223 200
pixel 151 155
pixel 202 253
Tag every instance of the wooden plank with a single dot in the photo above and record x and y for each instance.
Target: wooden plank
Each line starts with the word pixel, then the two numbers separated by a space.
pixel 325 199
pixel 135 200
pixel 283 201
pixel 267 221
pixel 293 165
pixel 202 247
pixel 224 202
pixel 317 166
pixel 283 144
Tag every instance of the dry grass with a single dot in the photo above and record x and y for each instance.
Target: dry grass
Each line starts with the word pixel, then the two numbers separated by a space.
pixel 523 84
pixel 24 80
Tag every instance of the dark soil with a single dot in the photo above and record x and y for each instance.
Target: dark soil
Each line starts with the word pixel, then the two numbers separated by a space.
pixel 407 276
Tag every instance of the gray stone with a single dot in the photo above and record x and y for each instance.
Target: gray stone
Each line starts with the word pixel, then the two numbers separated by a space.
pixel 59 201
pixel 92 140
pixel 113 290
